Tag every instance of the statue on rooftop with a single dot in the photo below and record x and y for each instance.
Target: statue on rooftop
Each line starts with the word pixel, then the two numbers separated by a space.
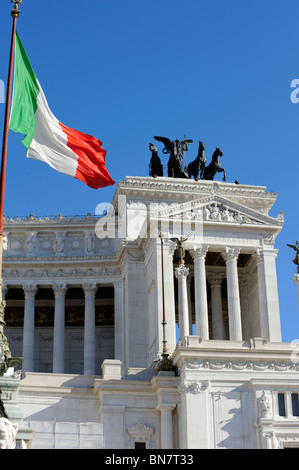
pixel 176 150
pixel 199 164
pixel 214 167
pixel 155 166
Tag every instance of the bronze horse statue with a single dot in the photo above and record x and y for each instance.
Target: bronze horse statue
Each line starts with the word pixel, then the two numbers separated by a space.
pixel 214 167
pixel 199 164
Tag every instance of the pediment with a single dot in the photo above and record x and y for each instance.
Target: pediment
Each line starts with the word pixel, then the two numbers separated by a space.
pixel 215 209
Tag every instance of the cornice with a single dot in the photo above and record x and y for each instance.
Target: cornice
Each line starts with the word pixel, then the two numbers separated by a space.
pixel 176 188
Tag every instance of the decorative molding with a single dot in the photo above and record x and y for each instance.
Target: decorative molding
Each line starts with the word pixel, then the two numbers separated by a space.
pixel 61 273
pixel 57 219
pixel 140 432
pixel 194 387
pixel 141 428
pixel 279 366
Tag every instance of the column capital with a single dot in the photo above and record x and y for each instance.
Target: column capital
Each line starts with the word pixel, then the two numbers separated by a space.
pixel 199 252
pixel 231 253
pixel 215 279
pixel 59 288
pixel 30 289
pixel 261 254
pixel 90 288
pixel 181 271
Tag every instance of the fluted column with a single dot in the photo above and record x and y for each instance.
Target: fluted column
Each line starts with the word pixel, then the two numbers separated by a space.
pixel 28 329
pixel 89 329
pixel 200 287
pixel 181 273
pixel 59 328
pixel 215 281
pixel 234 311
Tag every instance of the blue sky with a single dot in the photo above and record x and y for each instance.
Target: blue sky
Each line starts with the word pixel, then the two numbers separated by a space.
pixel 212 70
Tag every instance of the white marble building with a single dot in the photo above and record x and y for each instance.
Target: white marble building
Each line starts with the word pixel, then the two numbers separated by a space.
pixel 84 308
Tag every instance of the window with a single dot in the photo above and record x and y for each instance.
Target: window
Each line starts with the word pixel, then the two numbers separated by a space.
pixel 281 405
pixel 295 404
pixel 140 445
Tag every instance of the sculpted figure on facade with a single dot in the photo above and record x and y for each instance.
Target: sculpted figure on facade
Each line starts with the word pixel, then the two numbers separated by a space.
pixel 264 406
pixel 5 242
pixel 60 242
pixel 8 433
pixel 89 242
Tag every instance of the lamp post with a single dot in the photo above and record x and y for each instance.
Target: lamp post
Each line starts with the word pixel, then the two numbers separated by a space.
pixel 166 363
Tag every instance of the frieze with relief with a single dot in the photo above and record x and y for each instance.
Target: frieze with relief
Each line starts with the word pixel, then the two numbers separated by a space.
pixel 213 209
pixel 241 365
pixel 61 273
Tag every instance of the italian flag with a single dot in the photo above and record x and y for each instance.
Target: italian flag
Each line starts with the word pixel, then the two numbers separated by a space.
pixel 46 138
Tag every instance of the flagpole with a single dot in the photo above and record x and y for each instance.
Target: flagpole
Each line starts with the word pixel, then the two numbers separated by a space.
pixel 15 14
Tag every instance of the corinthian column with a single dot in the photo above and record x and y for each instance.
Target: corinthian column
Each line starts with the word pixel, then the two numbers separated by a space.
pixel 59 328
pixel 215 281
pixel 234 311
pixel 181 273
pixel 89 329
pixel 200 288
pixel 28 330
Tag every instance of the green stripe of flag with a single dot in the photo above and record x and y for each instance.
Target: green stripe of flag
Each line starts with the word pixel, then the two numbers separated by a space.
pixel 25 92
